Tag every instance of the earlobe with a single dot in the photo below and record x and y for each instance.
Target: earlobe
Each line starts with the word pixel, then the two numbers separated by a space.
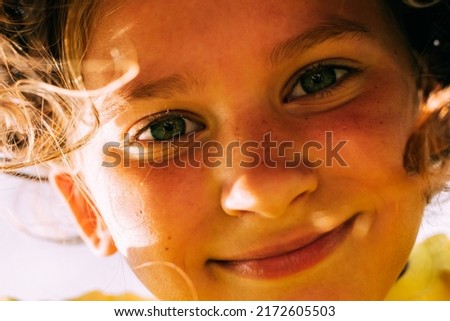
pixel 91 225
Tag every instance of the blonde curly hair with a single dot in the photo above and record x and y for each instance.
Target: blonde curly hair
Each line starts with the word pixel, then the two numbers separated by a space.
pixel 41 47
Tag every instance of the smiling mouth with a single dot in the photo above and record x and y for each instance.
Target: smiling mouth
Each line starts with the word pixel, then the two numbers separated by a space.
pixel 281 263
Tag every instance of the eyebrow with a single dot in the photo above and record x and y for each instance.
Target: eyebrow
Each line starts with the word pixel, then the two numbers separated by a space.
pixel 332 28
pixel 167 87
pixel 164 88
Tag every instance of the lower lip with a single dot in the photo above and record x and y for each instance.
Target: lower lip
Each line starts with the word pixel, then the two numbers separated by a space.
pixel 289 263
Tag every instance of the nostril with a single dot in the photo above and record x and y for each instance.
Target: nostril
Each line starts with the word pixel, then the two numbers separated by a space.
pixel 238 213
pixel 299 197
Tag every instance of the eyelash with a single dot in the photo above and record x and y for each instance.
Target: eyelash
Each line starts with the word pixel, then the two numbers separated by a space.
pixel 320 66
pixel 166 116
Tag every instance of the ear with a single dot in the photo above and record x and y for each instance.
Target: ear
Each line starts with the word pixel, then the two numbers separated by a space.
pixel 91 225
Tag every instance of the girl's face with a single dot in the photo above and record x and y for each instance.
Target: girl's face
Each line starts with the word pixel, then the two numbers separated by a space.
pixel 236 207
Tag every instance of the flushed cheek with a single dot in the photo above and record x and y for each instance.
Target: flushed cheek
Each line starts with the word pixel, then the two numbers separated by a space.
pixel 165 234
pixel 157 219
pixel 162 208
pixel 375 125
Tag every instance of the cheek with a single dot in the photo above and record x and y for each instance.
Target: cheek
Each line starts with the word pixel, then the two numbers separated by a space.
pixel 158 208
pixel 375 125
pixel 158 218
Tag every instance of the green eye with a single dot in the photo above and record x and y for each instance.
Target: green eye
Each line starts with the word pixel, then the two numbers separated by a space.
pixel 317 79
pixel 168 127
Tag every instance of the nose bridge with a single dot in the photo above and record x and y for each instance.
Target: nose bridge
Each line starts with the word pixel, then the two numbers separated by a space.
pixel 259 137
pixel 263 175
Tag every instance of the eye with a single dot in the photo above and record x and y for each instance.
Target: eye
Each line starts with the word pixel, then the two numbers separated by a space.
pixel 317 79
pixel 167 127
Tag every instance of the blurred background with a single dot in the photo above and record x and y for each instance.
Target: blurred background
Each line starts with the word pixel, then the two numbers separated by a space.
pixel 42 259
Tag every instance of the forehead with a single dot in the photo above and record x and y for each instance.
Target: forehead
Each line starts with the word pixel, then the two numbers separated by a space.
pixel 168 36
pixel 185 27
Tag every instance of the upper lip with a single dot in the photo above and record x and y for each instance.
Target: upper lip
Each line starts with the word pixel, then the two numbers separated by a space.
pixel 279 246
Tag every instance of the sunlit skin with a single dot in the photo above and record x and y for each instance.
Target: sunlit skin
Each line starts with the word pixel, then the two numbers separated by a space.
pixel 195 218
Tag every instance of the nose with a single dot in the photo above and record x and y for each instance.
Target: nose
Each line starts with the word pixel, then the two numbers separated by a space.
pixel 266 191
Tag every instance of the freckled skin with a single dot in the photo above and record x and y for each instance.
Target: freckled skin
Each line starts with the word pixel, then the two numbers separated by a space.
pixel 183 214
